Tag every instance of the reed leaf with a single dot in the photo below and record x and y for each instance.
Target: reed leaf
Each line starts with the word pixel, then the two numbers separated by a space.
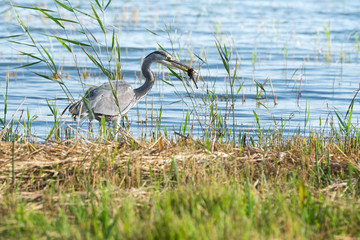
pixel 31 55
pixel 52 18
pixel 29 64
pixel 50 58
pixel 33 8
pixel 62 43
pixel 21 43
pixel 66 7
pixel 98 19
pixel 222 56
pixel 12 36
pixel 99 65
pixel 50 78
pixel 69 41
pixel 106 6
pixel 154 33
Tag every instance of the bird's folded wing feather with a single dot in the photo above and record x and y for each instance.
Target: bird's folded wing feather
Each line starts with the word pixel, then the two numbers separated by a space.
pixel 103 101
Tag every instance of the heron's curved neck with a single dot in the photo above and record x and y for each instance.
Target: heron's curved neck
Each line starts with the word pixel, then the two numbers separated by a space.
pixel 141 91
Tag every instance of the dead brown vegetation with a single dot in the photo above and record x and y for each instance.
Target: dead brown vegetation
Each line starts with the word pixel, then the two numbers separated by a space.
pixel 73 166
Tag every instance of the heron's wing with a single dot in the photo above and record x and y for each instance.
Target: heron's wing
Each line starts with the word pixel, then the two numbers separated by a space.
pixel 103 102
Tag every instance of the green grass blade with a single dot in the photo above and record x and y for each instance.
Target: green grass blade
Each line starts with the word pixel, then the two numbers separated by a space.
pixel 161 47
pixel 50 58
pixel 24 28
pixel 349 119
pixel 69 41
pixel 175 74
pixel 84 13
pixel 12 36
pixel 256 117
pixel 221 53
pixel 31 55
pixel 29 64
pixel 21 43
pixel 50 78
pixel 200 58
pixel 98 19
pixel 260 86
pixel 33 8
pixel 70 9
pixel 99 65
pixel 98 4
pixel 168 83
pixel 154 33
pixel 66 20
pixel 107 4
pixel 239 89
pixel 341 122
pixel 52 18
pixel 64 44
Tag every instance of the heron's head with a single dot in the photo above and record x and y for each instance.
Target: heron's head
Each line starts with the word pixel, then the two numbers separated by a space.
pixel 168 60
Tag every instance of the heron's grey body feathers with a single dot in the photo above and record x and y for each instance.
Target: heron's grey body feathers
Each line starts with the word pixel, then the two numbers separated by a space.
pixel 100 101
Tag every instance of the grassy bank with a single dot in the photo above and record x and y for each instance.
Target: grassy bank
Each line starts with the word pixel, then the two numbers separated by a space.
pixel 299 189
pixel 219 181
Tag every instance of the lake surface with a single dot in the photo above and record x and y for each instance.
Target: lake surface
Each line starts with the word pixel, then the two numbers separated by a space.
pixel 307 51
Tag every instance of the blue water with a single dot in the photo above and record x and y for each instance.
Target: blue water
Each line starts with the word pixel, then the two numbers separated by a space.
pixel 308 69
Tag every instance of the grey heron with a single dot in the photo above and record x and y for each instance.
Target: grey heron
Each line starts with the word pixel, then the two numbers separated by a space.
pixel 114 99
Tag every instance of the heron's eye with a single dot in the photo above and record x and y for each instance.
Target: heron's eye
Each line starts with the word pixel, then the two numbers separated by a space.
pixel 168 58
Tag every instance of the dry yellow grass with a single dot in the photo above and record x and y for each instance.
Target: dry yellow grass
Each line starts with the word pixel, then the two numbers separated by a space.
pixel 36 165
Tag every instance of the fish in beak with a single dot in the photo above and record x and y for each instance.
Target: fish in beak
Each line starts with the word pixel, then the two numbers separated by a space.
pixel 190 71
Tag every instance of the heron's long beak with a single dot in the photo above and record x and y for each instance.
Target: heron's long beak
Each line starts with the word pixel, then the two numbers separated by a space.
pixel 183 67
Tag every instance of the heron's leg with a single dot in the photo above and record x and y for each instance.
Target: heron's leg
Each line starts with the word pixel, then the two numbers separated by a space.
pixel 90 127
pixel 116 125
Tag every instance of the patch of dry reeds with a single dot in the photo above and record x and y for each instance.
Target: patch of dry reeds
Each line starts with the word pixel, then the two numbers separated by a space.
pixel 77 166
